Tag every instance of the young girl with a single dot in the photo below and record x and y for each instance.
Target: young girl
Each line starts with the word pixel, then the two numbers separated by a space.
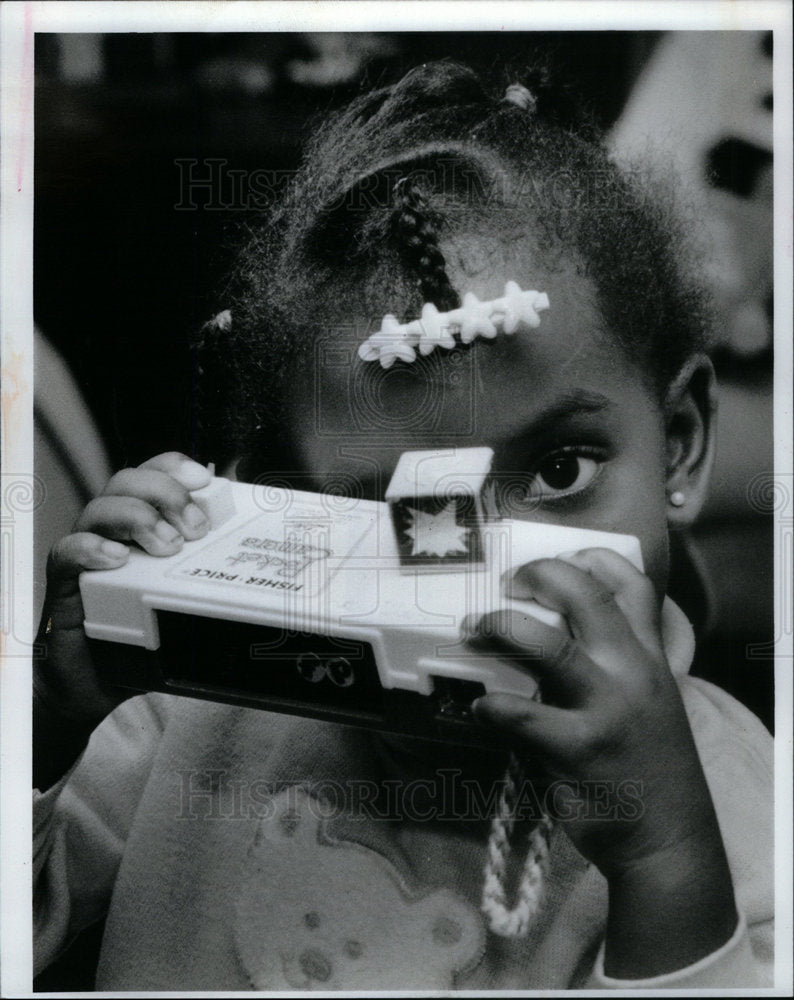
pixel 232 848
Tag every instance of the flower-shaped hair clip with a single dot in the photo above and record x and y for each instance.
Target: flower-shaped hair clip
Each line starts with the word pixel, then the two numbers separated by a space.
pixel 436 329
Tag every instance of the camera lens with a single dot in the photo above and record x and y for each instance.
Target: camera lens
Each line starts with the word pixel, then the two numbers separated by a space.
pixel 340 671
pixel 310 667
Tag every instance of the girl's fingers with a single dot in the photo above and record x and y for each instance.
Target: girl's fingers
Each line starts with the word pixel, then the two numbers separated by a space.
pixel 187 473
pixel 587 604
pixel 149 505
pixel 633 592
pixel 165 493
pixel 75 553
pixel 564 672
pixel 538 728
pixel 130 519
pixel 84 550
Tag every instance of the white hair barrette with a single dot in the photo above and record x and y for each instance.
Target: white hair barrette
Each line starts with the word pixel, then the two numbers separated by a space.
pixel 435 329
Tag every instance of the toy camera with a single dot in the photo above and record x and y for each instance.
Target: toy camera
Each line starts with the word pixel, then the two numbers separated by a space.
pixel 332 607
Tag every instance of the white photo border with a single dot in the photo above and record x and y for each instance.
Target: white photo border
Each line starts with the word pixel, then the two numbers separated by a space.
pixel 19 22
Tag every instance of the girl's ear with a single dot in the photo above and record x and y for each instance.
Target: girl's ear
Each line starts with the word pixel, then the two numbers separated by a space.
pixel 690 424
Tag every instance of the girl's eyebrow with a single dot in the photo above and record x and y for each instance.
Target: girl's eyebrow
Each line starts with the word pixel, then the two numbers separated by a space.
pixel 570 404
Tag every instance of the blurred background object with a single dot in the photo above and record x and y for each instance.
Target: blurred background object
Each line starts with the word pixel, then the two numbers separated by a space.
pixel 705 110
pixel 702 108
pixel 68 455
pixel 337 58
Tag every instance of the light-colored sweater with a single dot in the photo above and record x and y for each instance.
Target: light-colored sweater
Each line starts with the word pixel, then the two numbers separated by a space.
pixel 233 848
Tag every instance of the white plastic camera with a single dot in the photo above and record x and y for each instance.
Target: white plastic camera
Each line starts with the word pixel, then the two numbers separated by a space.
pixel 335 608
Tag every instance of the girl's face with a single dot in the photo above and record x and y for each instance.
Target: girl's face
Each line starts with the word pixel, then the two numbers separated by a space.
pixel 578 437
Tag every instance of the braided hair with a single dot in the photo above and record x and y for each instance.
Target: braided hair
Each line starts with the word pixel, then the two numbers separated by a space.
pixel 406 172
pixel 416 236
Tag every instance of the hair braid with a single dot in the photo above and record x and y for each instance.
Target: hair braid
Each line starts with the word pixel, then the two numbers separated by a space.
pixel 417 235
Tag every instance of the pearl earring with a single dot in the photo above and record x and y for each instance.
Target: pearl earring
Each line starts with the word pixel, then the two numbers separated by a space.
pixel 677 499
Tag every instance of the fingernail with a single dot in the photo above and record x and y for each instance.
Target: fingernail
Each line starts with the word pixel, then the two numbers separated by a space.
pixel 194 517
pixel 192 475
pixel 567 555
pixel 195 469
pixel 166 532
pixel 115 550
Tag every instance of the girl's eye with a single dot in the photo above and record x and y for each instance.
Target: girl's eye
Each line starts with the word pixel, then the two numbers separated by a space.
pixel 563 472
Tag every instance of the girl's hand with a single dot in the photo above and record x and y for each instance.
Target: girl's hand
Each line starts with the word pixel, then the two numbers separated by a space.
pixel 612 740
pixel 149 506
